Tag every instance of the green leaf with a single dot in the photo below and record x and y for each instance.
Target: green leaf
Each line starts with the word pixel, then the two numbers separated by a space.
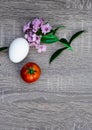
pixel 75 36
pixel 65 43
pixel 39 32
pixel 56 29
pixel 3 48
pixel 48 39
pixel 57 53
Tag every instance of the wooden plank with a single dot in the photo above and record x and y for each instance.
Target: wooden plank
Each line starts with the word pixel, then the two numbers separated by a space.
pixel 62 98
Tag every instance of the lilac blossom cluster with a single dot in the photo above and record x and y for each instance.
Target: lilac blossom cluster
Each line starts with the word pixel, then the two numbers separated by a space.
pixel 31 28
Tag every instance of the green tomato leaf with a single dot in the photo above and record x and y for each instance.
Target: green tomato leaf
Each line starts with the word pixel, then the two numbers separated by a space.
pixel 3 48
pixel 75 36
pixel 49 38
pixel 56 54
pixel 56 29
pixel 65 43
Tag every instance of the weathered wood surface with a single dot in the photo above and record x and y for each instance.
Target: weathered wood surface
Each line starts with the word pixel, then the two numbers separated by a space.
pixel 62 98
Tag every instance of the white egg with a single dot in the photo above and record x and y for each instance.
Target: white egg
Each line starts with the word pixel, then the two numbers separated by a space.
pixel 18 50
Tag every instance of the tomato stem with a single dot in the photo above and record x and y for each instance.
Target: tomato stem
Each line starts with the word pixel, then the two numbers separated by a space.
pixel 31 70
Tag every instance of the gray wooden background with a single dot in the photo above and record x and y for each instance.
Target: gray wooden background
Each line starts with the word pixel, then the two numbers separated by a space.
pixel 62 98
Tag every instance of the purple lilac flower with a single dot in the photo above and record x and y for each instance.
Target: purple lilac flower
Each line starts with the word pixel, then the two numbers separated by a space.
pixel 37 23
pixel 41 48
pixel 46 28
pixel 26 27
pixel 30 30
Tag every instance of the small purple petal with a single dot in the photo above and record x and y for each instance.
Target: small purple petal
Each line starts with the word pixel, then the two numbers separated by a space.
pixel 34 37
pixel 38 40
pixel 32 44
pixel 30 38
pixel 26 27
pixel 35 28
pixel 46 28
pixel 41 48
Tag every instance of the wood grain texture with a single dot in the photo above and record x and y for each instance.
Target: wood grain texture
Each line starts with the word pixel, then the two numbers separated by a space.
pixel 62 98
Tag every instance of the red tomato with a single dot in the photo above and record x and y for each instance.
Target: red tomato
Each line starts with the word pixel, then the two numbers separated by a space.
pixel 30 72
